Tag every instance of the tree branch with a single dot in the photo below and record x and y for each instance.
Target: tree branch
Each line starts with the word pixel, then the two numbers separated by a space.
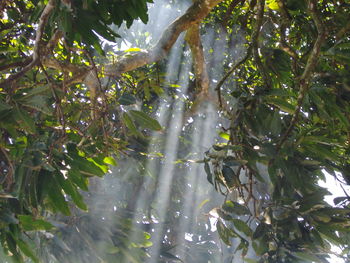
pixel 193 39
pixel 194 14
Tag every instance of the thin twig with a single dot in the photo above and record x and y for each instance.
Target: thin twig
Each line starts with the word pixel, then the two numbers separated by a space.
pixel 233 68
pixel 10 173
pixel 255 43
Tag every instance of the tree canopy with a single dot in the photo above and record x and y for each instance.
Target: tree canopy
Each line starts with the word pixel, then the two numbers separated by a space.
pixel 73 104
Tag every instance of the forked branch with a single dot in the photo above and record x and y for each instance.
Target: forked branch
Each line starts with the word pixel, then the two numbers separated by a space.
pixel 194 14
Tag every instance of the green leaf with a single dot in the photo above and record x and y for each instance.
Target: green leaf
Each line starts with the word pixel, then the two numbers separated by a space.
pixel 145 121
pixel 85 167
pixel 223 214
pixel 235 208
pixel 102 165
pixel 260 247
pixel 38 103
pixel 170 256
pixel 6 215
pixel 110 160
pixel 243 245
pixel 130 124
pixel 307 256
pixel 127 99
pixel 260 231
pixel 321 217
pixel 4 106
pixel 276 124
pixel 27 250
pixel 242 226
pixel 25 121
pixel 250 260
pixel 329 234
pixel 232 161
pixel 29 223
pixel 78 179
pixel 224 233
pixel 12 247
pixel 56 197
pixel 71 190
pixel 224 135
pixel 340 199
pixel 208 172
pixel 37 91
pixel 281 104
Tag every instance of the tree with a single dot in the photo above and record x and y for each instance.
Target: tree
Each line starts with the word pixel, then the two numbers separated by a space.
pixel 64 115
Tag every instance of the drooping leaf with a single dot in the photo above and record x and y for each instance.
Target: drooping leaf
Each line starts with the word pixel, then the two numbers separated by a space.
pixel 224 233
pixel 71 190
pixel 145 121
pixel 24 247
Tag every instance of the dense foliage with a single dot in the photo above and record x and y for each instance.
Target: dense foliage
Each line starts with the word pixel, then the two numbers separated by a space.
pixel 279 80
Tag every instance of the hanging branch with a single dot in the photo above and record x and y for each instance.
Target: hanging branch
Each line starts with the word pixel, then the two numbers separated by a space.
pixel 309 68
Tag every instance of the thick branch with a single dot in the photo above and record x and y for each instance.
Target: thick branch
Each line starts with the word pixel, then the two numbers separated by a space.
pixel 202 78
pixel 201 73
pixel 194 14
pixel 40 31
